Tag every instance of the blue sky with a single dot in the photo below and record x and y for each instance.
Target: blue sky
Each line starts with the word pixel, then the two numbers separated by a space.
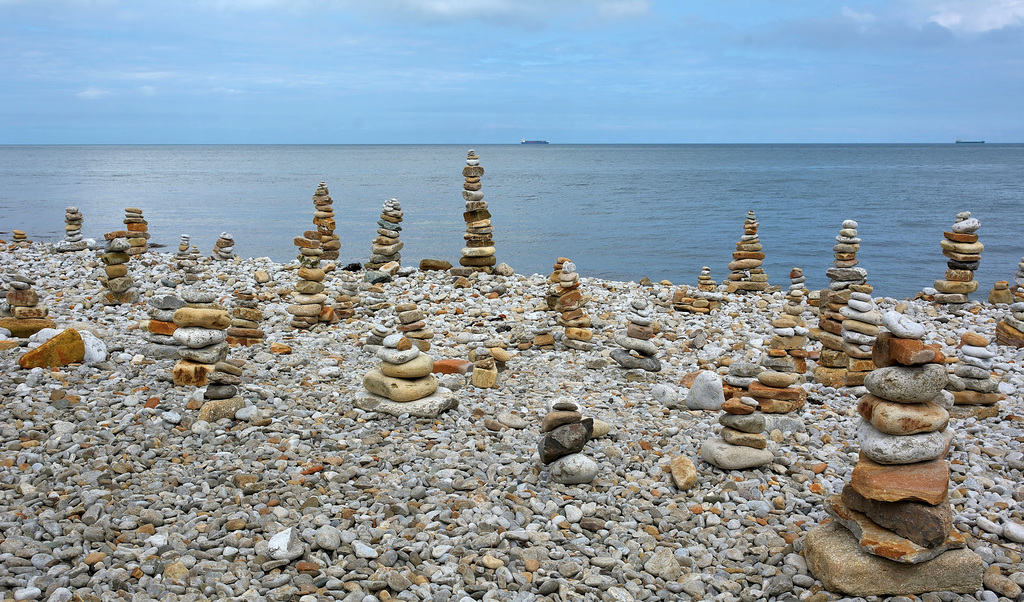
pixel 494 71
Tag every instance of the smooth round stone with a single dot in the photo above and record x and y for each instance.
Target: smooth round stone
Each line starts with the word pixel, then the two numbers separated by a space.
pixel 646 348
pixel 396 357
pixel 970 360
pixel 978 352
pixel 967 226
pixel 779 380
pixel 902 418
pixel 902 326
pixel 390 340
pixel 870 317
pixel 195 337
pixel 638 304
pixel 706 392
pixel 733 457
pixel 748 423
pixel 850 224
pixel 193 295
pixel 574 469
pixel 907 384
pixel 118 245
pixel 417 367
pixel 399 389
pixel 217 319
pixel 861 306
pixel 848 232
pixel 901 449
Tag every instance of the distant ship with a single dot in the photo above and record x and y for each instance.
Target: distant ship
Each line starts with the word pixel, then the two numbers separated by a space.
pixel 959 141
pixel 525 141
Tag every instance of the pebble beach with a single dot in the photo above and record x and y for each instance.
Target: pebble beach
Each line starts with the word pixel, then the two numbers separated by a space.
pixel 114 490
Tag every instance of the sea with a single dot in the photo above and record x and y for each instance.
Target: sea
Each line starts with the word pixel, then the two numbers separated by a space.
pixel 620 212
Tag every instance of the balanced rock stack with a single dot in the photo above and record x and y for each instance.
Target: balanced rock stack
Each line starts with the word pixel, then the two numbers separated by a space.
pixel 308 298
pixel 706 299
pixel 187 260
pixel 479 250
pixel 20 238
pixel 844 279
pixel 345 302
pixel 386 246
pixel 745 267
pixel 639 350
pixel 120 286
pixel 963 254
pixel 895 505
pixel 137 231
pixel 797 280
pixel 245 320
pixel 160 327
pixel 403 383
pixel 554 282
pixel 860 328
pixel 375 340
pixel 22 314
pixel 1018 281
pixel 972 382
pixel 1000 293
pixel 705 282
pixel 73 240
pixel 1010 331
pixel 323 219
pixel 775 388
pixel 570 306
pixel 224 248
pixel 741 443
pixel 794 305
pixel 565 433
pixel 412 324
pixel 201 332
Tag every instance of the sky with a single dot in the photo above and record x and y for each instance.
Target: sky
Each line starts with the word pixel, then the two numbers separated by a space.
pixel 497 71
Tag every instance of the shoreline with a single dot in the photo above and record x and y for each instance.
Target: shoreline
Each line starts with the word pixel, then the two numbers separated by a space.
pixel 444 508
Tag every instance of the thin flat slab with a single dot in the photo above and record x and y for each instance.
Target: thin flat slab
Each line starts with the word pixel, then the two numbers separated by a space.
pixel 885 543
pixel 835 557
pixel 431 406
pixel 926 482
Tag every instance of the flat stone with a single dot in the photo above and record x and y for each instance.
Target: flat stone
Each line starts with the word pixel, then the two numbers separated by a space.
pixel 748 423
pixel 902 326
pixel 430 406
pixel 882 542
pixel 736 437
pixel 195 337
pixel 65 348
pixel 924 524
pixel 216 409
pixel 902 418
pixel 217 319
pixel 902 449
pixel 926 482
pixel 718 453
pixel 399 389
pixel 629 361
pixel 907 384
pixel 835 558
pixel 418 367
pixel 555 419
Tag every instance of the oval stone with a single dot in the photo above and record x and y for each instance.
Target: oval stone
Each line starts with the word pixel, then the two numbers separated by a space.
pixel 907 384
pixel 195 337
pixel 884 448
pixel 902 418
pixel 399 389
pixel 418 367
pixel 217 319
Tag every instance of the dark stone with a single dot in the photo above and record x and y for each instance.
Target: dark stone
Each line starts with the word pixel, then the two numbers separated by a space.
pixel 376 277
pixel 352 267
pixel 630 362
pixel 220 391
pixel 921 523
pixel 565 440
pixel 963 265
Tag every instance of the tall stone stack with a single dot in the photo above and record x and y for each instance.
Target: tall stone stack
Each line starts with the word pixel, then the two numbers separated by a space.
pixel 745 267
pixel 345 302
pixel 386 246
pixel 638 351
pixel 565 433
pixel 323 219
pixel 1010 331
pixel 844 278
pixel 138 231
pixel 893 531
pixel 741 443
pixel 73 240
pixel 704 301
pixel 403 382
pixel 573 316
pixel 308 298
pixel 246 316
pixel 23 315
pixel 554 282
pixel 413 325
pixel 187 260
pixel 479 250
pixel 775 389
pixel 797 280
pixel 705 282
pixel 119 285
pixel 223 248
pixel 963 254
pixel 160 327
pixel 972 382
pixel 860 328
pixel 201 332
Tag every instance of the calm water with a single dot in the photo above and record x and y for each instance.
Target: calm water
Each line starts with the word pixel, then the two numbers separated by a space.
pixel 619 211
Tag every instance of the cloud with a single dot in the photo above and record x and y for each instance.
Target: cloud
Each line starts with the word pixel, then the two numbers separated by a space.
pixel 93 93
pixel 974 16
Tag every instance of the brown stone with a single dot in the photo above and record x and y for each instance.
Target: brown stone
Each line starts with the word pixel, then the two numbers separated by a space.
pixel 61 350
pixel 639 332
pixel 957 237
pixel 789 394
pixel 737 437
pixel 22 298
pixel 1008 335
pixel 314 274
pixel 734 406
pixel 160 327
pixel 975 339
pixel 885 543
pixel 924 524
pixel 23 329
pixel 971 398
pixel 890 351
pixel 926 482
pixel 216 319
pixel 557 418
pixel 187 373
pixel 684 473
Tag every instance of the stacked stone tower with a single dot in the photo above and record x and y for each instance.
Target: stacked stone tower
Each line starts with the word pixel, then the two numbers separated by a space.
pixel 638 350
pixel 745 267
pixel 844 278
pixel 386 246
pixel 573 315
pixel 323 219
pixel 963 253
pixel 73 240
pixel 479 250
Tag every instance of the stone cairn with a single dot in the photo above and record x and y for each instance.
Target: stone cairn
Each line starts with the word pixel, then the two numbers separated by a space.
pixel 323 219
pixel 572 314
pixel 345 302
pixel 20 238
pixel 844 278
pixel 565 433
pixel 1000 293
pixel 413 325
pixel 638 350
pixel 554 282
pixel 741 443
pixel 224 248
pixel 137 231
pixel 120 286
pixel 201 333
pixel 775 388
pixel 403 382
pixel 745 267
pixel 1018 281
pixel 895 504
pixel 1010 331
pixel 963 254
pixel 972 382
pixel 73 240
pixel 160 328
pixel 187 260
pixel 478 253
pixel 386 246
pixel 308 298
pixel 741 374
pixel 246 316
pixel 860 328
pixel 22 313
pixel 375 340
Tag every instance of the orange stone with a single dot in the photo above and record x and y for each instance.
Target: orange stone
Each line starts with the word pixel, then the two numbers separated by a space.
pixel 158 327
pixel 926 482
pixel 191 374
pixel 63 349
pixel 452 366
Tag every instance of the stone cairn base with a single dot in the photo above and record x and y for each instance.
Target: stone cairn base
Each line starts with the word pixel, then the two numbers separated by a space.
pixel 245 320
pixel 119 285
pixel 323 219
pixel 308 300
pixel 895 504
pixel 975 390
pixel 573 316
pixel 638 349
pixel 706 300
pixel 775 388
pixel 73 240
pixel 223 248
pixel 741 443
pixel 345 302
pixel 565 433
pixel 479 250
pixel 136 231
pixel 201 332
pixel 844 278
pixel 746 272
pixel 403 383
pixel 20 239
pixel 22 314
pixel 963 255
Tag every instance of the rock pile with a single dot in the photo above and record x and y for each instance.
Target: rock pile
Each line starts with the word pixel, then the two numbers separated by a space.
pixel 308 298
pixel 896 502
pixel 345 302
pixel 639 350
pixel 20 238
pixel 740 443
pixel 120 286
pixel 136 231
pixel 740 375
pixel 745 267
pixel 160 327
pixel 413 324
pixel 323 219
pixel 775 388
pixel 554 282
pixel 1018 281
pixel 201 332
pixel 860 327
pixel 21 312
pixel 565 433
pixel 1010 331
pixel 1000 293
pixel 478 253
pixel 224 248
pixel 704 281
pixel 73 240
pixel 386 246
pixel 403 383
pixel 187 260
pixel 844 279
pixel 963 253
pixel 704 301
pixel 246 316
pixel 570 306
pixel 375 340
pixel 797 280
pixel 972 382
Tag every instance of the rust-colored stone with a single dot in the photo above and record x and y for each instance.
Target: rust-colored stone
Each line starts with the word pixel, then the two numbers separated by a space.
pixel 61 350
pixel 922 481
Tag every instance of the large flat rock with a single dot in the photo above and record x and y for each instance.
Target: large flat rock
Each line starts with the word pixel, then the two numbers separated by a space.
pixel 885 543
pixel 428 407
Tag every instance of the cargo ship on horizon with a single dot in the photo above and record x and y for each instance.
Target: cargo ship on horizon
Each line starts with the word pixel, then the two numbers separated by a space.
pixel 525 141
pixel 959 141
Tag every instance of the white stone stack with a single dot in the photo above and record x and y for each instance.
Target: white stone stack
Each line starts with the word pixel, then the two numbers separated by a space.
pixel 73 240
pixel 386 247
pixel 224 248
pixel 638 348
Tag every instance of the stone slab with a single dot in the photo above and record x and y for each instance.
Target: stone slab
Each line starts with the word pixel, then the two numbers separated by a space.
pixel 428 407
pixel 880 541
